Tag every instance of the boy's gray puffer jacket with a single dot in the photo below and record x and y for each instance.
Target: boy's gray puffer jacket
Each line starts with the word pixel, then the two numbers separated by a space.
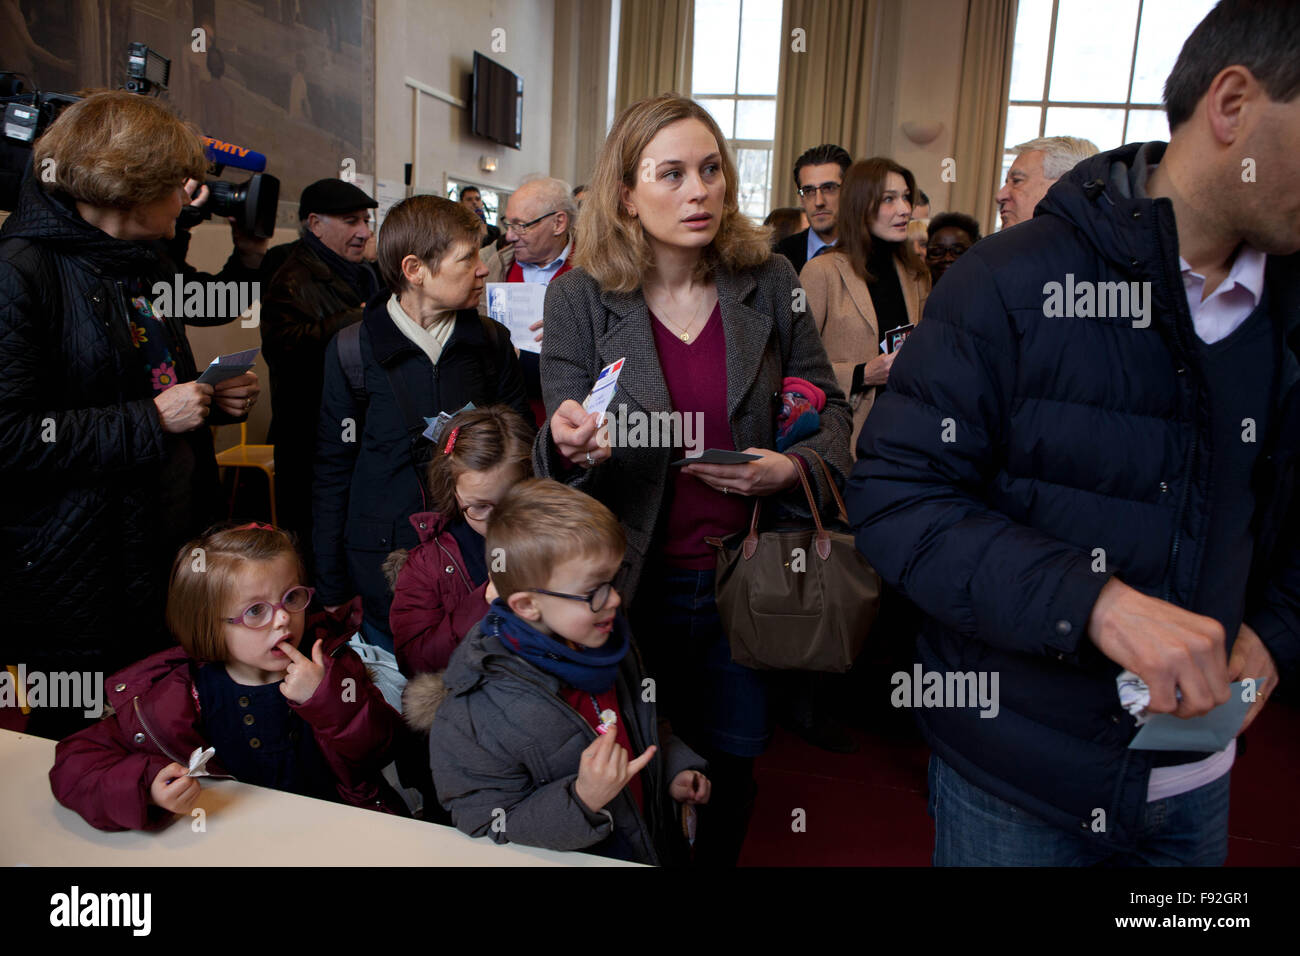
pixel 505 747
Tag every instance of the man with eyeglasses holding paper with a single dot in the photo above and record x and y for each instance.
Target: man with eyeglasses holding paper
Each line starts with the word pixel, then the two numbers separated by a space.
pixel 538 224
pixel 818 174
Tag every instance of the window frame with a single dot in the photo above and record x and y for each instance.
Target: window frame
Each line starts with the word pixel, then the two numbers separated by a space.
pixel 736 97
pixel 1128 107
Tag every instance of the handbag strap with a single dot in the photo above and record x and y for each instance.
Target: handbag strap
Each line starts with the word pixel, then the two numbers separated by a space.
pixel 823 539
pixel 830 481
pixel 750 544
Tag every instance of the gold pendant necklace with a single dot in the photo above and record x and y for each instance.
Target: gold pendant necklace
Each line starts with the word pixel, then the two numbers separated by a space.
pixel 685 333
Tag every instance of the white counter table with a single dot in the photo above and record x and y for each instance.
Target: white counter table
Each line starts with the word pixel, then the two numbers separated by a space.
pixel 243 826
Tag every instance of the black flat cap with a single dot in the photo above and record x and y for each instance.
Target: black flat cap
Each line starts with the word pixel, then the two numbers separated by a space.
pixel 332 196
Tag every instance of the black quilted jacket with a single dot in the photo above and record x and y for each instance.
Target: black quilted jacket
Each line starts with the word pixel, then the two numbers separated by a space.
pixel 94 497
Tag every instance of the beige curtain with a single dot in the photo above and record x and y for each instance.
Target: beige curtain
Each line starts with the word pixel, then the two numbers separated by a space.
pixel 825 88
pixel 654 49
pixel 982 108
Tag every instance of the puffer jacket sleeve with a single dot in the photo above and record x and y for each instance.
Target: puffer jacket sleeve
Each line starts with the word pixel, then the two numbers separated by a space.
pixel 678 756
pixel 332 481
pixel 176 251
pixel 428 623
pixel 1277 619
pixel 915 497
pixel 99 776
pixel 50 444
pixel 489 793
pixel 354 726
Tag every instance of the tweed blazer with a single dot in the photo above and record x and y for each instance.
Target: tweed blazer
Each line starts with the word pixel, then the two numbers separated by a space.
pixel 586 329
pixel 839 302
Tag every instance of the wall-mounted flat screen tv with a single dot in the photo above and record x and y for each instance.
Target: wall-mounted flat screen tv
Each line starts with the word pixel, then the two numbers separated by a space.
pixel 497 98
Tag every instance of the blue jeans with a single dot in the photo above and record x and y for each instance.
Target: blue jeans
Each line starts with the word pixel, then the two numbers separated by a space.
pixel 975 828
pixel 711 700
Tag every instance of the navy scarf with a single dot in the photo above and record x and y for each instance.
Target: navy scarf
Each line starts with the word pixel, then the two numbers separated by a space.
pixel 359 275
pixel 591 669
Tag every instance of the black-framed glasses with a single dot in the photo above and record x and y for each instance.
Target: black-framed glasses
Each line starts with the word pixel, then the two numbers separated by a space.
pixel 508 224
pixel 260 615
pixel 944 252
pixel 826 189
pixel 596 598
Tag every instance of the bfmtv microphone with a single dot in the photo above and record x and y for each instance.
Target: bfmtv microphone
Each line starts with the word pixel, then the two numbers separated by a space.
pixel 221 153
pixel 253 203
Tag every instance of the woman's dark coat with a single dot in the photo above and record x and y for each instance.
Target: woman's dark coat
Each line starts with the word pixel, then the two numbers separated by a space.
pixel 95 498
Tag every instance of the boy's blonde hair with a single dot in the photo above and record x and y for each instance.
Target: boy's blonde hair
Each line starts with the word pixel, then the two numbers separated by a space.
pixel 202 583
pixel 541 523
pixel 485 438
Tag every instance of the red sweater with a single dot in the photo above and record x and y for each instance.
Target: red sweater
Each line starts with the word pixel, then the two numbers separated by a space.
pixel 696 376
pixel 580 701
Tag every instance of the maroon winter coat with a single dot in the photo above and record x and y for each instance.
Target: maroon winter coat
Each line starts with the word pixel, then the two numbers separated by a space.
pixel 104 772
pixel 434 602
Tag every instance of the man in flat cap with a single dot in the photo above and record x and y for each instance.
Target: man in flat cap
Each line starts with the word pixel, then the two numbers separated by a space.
pixel 320 288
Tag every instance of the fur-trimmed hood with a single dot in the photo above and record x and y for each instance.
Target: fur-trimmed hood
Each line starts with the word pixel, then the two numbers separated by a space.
pixel 421 698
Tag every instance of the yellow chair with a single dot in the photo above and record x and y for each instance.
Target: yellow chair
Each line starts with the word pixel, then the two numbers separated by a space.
pixel 245 455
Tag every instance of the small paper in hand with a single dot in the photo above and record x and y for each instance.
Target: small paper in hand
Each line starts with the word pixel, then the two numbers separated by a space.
pixel 517 306
pixel 228 366
pixel 602 391
pixel 198 760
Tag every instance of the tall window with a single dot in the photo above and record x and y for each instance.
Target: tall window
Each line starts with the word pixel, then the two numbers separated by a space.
pixel 733 76
pixel 1095 69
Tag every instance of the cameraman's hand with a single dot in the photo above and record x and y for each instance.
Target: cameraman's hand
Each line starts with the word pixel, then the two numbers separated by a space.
pixel 203 193
pixel 183 408
pixel 251 249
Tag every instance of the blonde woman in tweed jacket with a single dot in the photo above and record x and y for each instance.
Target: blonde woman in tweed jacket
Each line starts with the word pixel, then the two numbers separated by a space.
pixel 673 278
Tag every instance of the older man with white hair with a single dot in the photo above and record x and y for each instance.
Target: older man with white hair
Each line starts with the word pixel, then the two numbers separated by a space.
pixel 539 225
pixel 1038 164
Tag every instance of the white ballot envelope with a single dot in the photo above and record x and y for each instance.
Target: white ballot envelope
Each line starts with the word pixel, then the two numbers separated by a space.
pixel 198 760
pixel 517 305
pixel 228 366
pixel 602 391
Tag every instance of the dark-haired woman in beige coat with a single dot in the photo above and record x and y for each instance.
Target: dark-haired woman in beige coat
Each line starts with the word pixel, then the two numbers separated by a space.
pixel 869 283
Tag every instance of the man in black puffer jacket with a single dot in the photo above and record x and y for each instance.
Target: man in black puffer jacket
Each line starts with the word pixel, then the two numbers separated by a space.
pixel 1073 478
